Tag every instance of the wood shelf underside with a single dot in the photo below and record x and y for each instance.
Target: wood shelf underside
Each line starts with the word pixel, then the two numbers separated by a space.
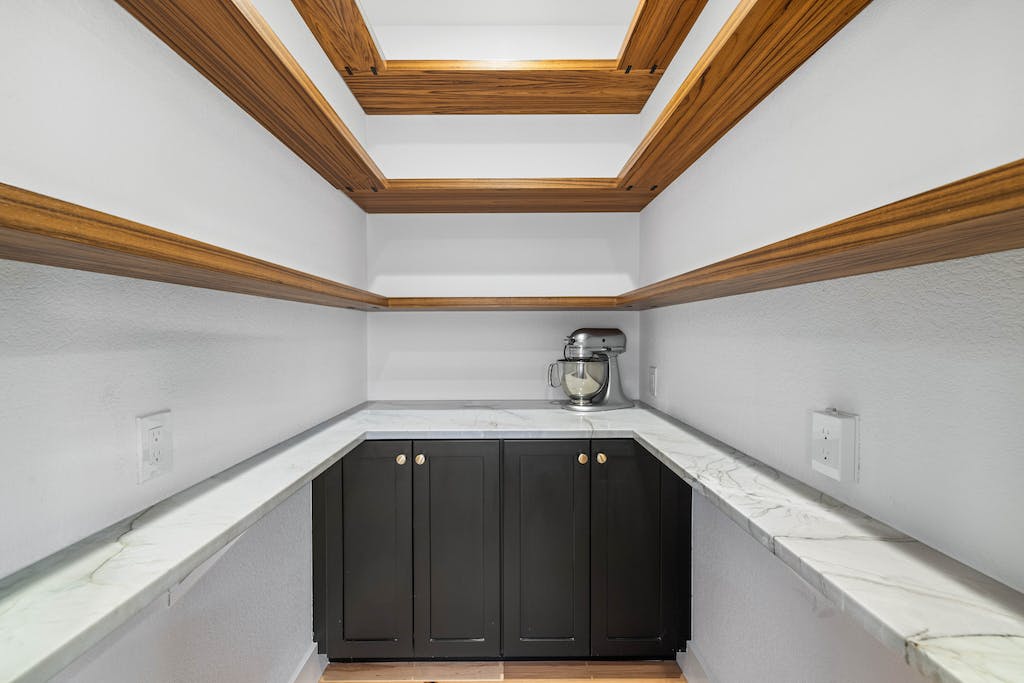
pixel 980 214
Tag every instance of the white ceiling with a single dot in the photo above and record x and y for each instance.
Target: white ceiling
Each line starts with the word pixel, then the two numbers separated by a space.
pixel 499 13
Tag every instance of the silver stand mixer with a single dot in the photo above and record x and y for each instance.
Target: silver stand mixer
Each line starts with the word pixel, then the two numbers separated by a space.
pixel 588 373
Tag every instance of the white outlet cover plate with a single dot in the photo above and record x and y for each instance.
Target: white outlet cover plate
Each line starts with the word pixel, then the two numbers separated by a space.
pixel 834 444
pixel 155 445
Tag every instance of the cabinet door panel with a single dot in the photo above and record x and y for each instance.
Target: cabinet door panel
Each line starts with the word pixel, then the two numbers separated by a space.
pixel 546 548
pixel 368 519
pixel 635 562
pixel 457 549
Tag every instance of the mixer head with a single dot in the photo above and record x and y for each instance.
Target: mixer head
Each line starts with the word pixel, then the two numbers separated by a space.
pixel 588 342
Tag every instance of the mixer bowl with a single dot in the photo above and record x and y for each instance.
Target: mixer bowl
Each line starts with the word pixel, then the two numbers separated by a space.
pixel 581 380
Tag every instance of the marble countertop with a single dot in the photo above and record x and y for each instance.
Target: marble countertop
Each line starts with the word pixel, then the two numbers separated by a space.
pixel 950 622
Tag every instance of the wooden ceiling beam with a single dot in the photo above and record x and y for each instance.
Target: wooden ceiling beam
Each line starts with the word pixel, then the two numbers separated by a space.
pixel 501 195
pixel 761 44
pixel 233 47
pixel 657 30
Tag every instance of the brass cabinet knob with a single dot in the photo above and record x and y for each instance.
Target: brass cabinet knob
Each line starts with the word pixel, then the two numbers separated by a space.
pixel 583 458
pixel 602 458
pixel 400 458
pixel 420 459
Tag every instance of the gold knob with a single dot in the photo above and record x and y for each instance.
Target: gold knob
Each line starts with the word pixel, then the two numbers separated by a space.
pixel 602 458
pixel 583 458
pixel 420 459
pixel 400 458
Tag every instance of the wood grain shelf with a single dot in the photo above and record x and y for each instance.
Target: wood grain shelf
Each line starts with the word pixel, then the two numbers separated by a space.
pixel 41 229
pixel 504 303
pixel 589 86
pixel 977 215
pixel 761 43
pixel 501 195
pixel 585 86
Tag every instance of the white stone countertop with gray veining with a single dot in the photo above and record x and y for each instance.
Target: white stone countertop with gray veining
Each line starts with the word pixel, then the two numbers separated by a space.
pixel 950 622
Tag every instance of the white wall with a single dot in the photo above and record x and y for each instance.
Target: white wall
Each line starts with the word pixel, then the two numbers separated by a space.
pixel 755 620
pixel 529 29
pixel 930 357
pixel 489 42
pixel 502 254
pixel 245 604
pixel 873 117
pixel 482 355
pixel 506 146
pixel 289 26
pixel 99 112
pixel 704 30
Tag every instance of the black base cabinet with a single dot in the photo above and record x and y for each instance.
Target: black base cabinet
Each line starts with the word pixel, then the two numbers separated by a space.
pixel 535 549
pixel 546 539
pixel 636 573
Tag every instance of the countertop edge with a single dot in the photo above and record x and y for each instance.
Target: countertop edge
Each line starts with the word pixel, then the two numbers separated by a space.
pixel 238 497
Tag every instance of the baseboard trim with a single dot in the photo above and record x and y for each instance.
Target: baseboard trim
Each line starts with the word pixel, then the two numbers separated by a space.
pixel 691 665
pixel 311 668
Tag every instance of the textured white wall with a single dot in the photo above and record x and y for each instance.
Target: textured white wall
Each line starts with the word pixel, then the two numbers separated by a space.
pixel 291 29
pixel 502 254
pixel 255 602
pixel 477 355
pixel 873 117
pixel 528 29
pixel 81 355
pixel 508 146
pixel 755 621
pixel 480 355
pixel 929 356
pixel 489 42
pixel 99 112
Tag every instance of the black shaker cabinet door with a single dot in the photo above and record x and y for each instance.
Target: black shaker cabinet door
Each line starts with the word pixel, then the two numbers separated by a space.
pixel 368 577
pixel 457 549
pixel 635 570
pixel 546 536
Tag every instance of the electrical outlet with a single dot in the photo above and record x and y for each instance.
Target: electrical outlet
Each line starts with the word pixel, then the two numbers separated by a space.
pixel 652 380
pixel 155 444
pixel 834 447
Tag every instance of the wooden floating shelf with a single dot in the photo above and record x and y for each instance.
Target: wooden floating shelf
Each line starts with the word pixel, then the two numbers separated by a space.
pixel 760 45
pixel 41 229
pixel 502 195
pixel 230 43
pixel 977 215
pixel 504 303
pixel 584 86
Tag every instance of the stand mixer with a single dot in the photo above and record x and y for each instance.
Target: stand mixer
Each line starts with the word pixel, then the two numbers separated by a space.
pixel 588 373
